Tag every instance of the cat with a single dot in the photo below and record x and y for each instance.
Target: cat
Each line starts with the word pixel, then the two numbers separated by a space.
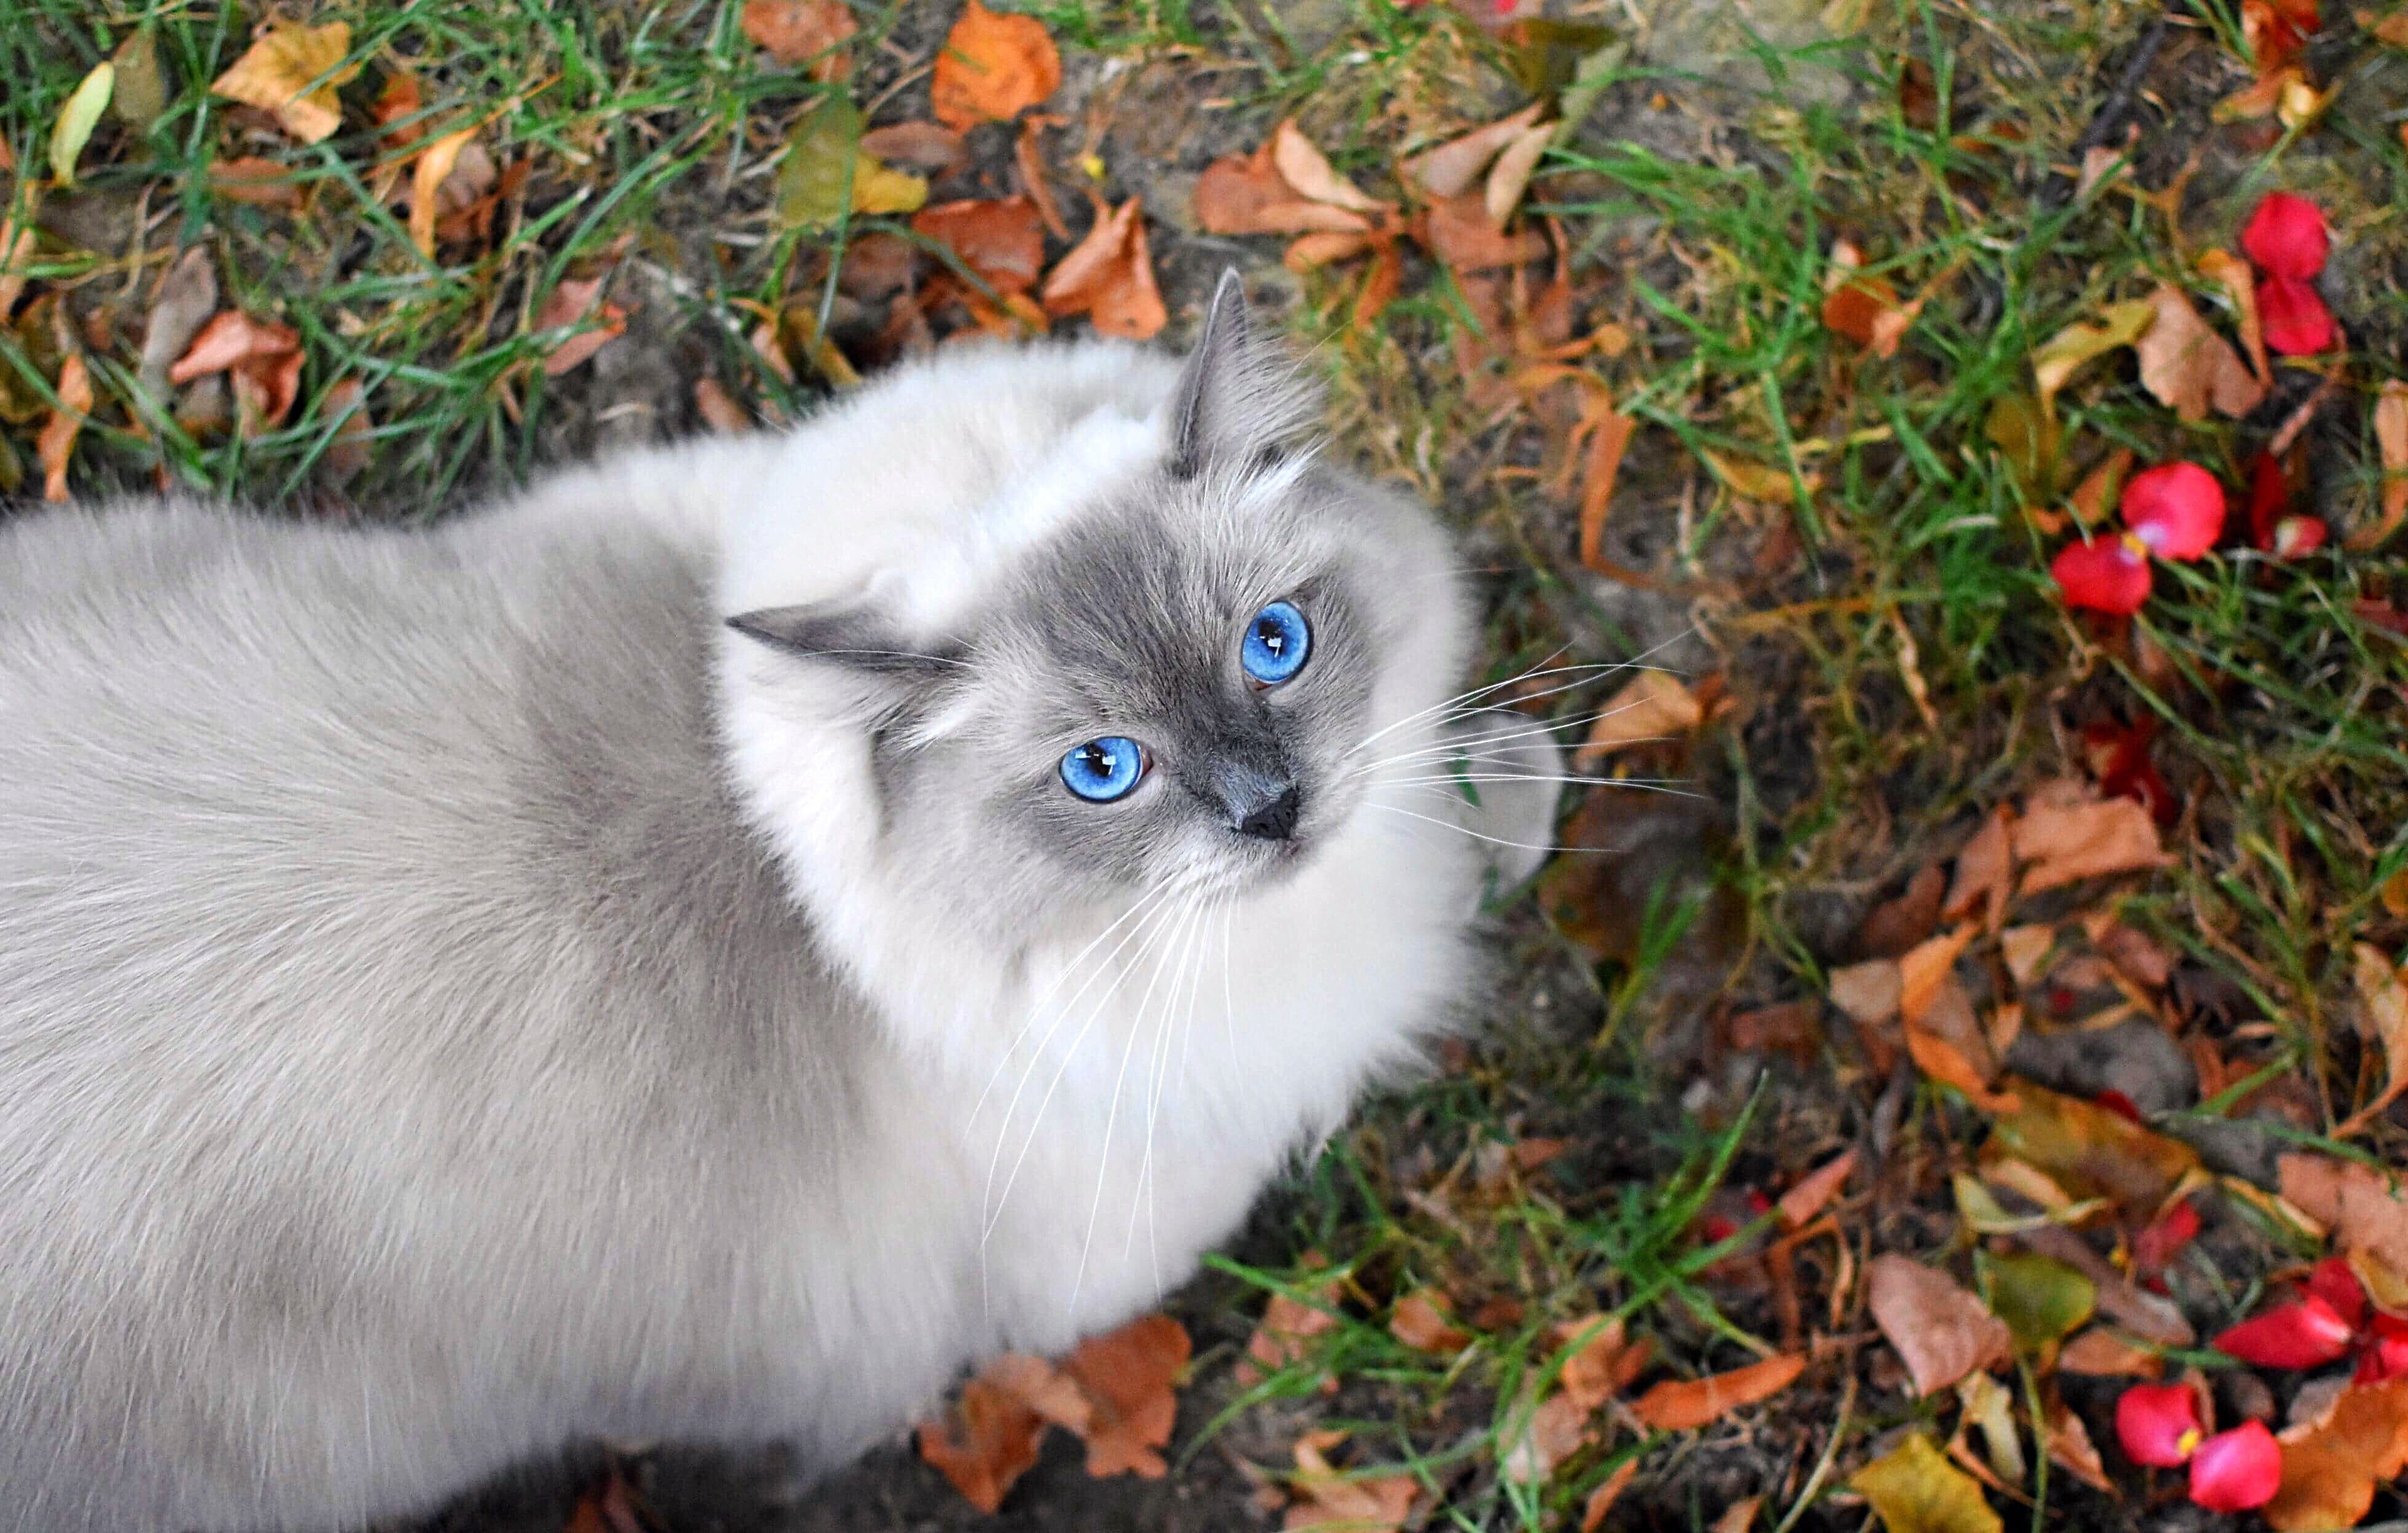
pixel 711 947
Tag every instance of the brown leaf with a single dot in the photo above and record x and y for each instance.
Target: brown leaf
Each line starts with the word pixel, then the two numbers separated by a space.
pixel 2383 1020
pixel 1923 970
pixel 2066 841
pixel 1606 1362
pixel 292 71
pixel 1246 194
pixel 1652 706
pixel 569 303
pixel 347 453
pixel 1868 992
pixel 254 182
pixel 802 32
pixel 2330 1468
pixel 1896 925
pixel 922 145
pixel 1127 1375
pixel 2102 1352
pixel 718 407
pixel 186 297
pixel 1808 1195
pixel 2240 284
pixel 1310 253
pixel 1677 1405
pixel 56 442
pixel 16 248
pixel 1864 310
pixel 993 68
pixel 1285 1333
pixel 1044 1388
pixel 2091 1150
pixel 1453 168
pixel 2070 1448
pixel 434 163
pixel 1601 1499
pixel 1609 436
pixel 1459 232
pixel 396 108
pixel 1509 177
pixel 261 360
pixel 1304 167
pixel 1942 1332
pixel 2391 442
pixel 1328 1501
pixel 2367 1219
pixel 1555 1430
pixel 2189 366
pixel 1003 240
pixel 1420 1322
pixel 1109 276
pixel 986 1442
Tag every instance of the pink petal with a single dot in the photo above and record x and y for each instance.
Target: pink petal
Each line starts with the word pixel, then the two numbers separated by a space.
pixel 2297 323
pixel 2297 535
pixel 2285 237
pixel 2237 1470
pixel 2154 1248
pixel 2108 575
pixel 2175 509
pixel 2304 1333
pixel 2158 1425
pixel 2332 1281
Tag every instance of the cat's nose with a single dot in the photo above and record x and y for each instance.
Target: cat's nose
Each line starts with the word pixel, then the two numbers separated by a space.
pixel 1271 816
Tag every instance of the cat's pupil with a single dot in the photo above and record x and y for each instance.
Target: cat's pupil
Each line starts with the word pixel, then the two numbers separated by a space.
pixel 1269 632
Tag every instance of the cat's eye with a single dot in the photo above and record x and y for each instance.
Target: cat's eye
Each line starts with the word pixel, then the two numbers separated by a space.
pixel 1104 769
pixel 1276 643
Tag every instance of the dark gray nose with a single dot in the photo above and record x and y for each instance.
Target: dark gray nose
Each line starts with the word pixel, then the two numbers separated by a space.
pixel 1272 817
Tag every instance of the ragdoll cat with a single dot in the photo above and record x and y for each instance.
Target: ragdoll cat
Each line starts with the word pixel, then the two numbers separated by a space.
pixel 708 949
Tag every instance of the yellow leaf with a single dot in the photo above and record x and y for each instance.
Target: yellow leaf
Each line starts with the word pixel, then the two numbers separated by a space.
pixel 78 118
pixel 1915 1489
pixel 2071 349
pixel 434 163
pixel 294 72
pixel 879 188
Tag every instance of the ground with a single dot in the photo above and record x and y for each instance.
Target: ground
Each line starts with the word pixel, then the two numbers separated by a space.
pixel 1838 544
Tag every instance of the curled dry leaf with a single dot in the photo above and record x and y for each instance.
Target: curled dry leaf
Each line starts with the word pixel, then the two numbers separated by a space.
pixel 1915 1489
pixel 1941 1332
pixel 1044 1388
pixel 2383 1019
pixel 1652 706
pixel 1421 1322
pixel 2076 346
pixel 1509 177
pixel 262 359
pixel 1247 194
pixel 1678 1405
pixel 570 302
pixel 1983 873
pixel 2391 444
pixel 2091 1150
pixel 993 68
pixel 2189 366
pixel 2064 842
pixel 2070 1448
pixel 1285 1333
pixel 1003 240
pixel 1868 992
pixel 2100 1352
pixel 802 32
pixel 292 71
pixel 347 450
pixel 1609 1491
pixel 718 407
pixel 1128 1376
pixel 1812 1192
pixel 426 179
pixel 78 118
pixel 2330 1467
pixel 2240 284
pixel 1608 433
pixel 1304 167
pixel 1453 168
pixel 56 442
pixel 987 1441
pixel 1109 276
pixel 16 250
pixel 1459 232
pixel 1328 1501
pixel 2368 1218
pixel 187 295
pixel 1927 967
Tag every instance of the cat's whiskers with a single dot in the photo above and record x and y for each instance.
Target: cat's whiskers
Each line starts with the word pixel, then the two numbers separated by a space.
pixel 1477 836
pixel 1158 1069
pixel 1545 667
pixel 1472 749
pixel 1649 784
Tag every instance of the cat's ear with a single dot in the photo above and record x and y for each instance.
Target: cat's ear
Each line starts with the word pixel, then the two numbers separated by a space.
pixel 1239 399
pixel 845 635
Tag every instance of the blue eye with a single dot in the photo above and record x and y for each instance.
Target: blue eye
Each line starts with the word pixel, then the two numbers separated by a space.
pixel 1104 769
pixel 1276 641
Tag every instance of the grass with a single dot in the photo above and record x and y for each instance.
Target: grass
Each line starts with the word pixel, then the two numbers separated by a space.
pixel 1863 557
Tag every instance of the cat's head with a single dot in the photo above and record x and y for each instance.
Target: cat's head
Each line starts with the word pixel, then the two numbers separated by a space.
pixel 1179 681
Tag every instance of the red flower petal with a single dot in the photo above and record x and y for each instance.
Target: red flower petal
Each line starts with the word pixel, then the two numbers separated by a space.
pixel 2108 575
pixel 2270 495
pixel 2175 509
pixel 2156 1246
pixel 2295 320
pixel 2295 535
pixel 2386 1352
pixel 2118 1103
pixel 2304 1333
pixel 2237 1470
pixel 2158 1425
pixel 2285 237
pixel 2332 1281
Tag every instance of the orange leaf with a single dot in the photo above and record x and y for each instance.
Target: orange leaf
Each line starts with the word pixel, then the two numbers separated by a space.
pixel 1555 1430
pixel 2391 441
pixel 2189 366
pixel 292 71
pixel 1678 1405
pixel 1653 706
pixel 718 407
pixel 1601 1499
pixel 1808 1195
pixel 230 339
pixel 1459 232
pixel 1285 1333
pixel 2240 284
pixel 1605 1364
pixel 1942 1332
pixel 1332 1502
pixel 1380 283
pixel 1609 436
pixel 434 163
pixel 1127 1376
pixel 987 1441
pixel 801 31
pixel 1420 1322
pixel 1305 167
pixel 2102 1353
pixel 1927 967
pixel 1109 276
pixel 1453 168
pixel 57 440
pixel 993 68
pixel 1044 1388
pixel 1983 872
pixel 1246 194
pixel 2330 1468
pixel 2066 841
pixel 1003 240
pixel 569 303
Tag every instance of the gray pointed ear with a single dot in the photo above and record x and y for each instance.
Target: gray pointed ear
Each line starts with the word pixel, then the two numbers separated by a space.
pixel 1239 399
pixel 851 637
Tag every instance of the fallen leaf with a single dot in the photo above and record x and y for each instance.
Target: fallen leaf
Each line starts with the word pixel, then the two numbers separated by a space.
pixel 570 302
pixel 347 449
pixel 1453 168
pixel 2102 1353
pixel 254 181
pixel 426 177
pixel 185 299
pixel 2071 349
pixel 56 442
pixel 1002 239
pixel 2041 1300
pixel 1987 1406
pixel 1127 1375
pixel 1509 177
pixel 2189 366
pixel 1605 1360
pixel 1421 1322
pixel 1608 431
pixel 2330 1468
pixel 2070 1448
pixel 1808 1195
pixel 141 90
pixel 1109 276
pixel 2144 1315
pixel 718 407
pixel 1246 194
pixel 1652 706
pixel 1678 1405
pixel 16 247
pixel 1947 1044
pixel 2065 842
pixel 1941 1332
pixel 1868 992
pixel 985 1442
pixel 2240 284
pixel 2368 1218
pixel 1864 310
pixel 1913 1489
pixel 1459 232
pixel 1045 1389
pixel 1609 1491
pixel 81 114
pixel 1553 1431
pixel 1304 167
pixel 2383 1020
pixel 1285 1335
pixel 1328 1501
pixel 2091 1150
pixel 2391 443
pixel 292 71
pixel 822 161
pixel 1984 871
pixel 2024 948
pixel 993 68
pixel 1739 1515
pixel 809 32
pixel 262 359
pixel 1923 970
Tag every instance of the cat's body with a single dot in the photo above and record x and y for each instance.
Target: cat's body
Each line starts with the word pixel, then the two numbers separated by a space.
pixel 456 995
